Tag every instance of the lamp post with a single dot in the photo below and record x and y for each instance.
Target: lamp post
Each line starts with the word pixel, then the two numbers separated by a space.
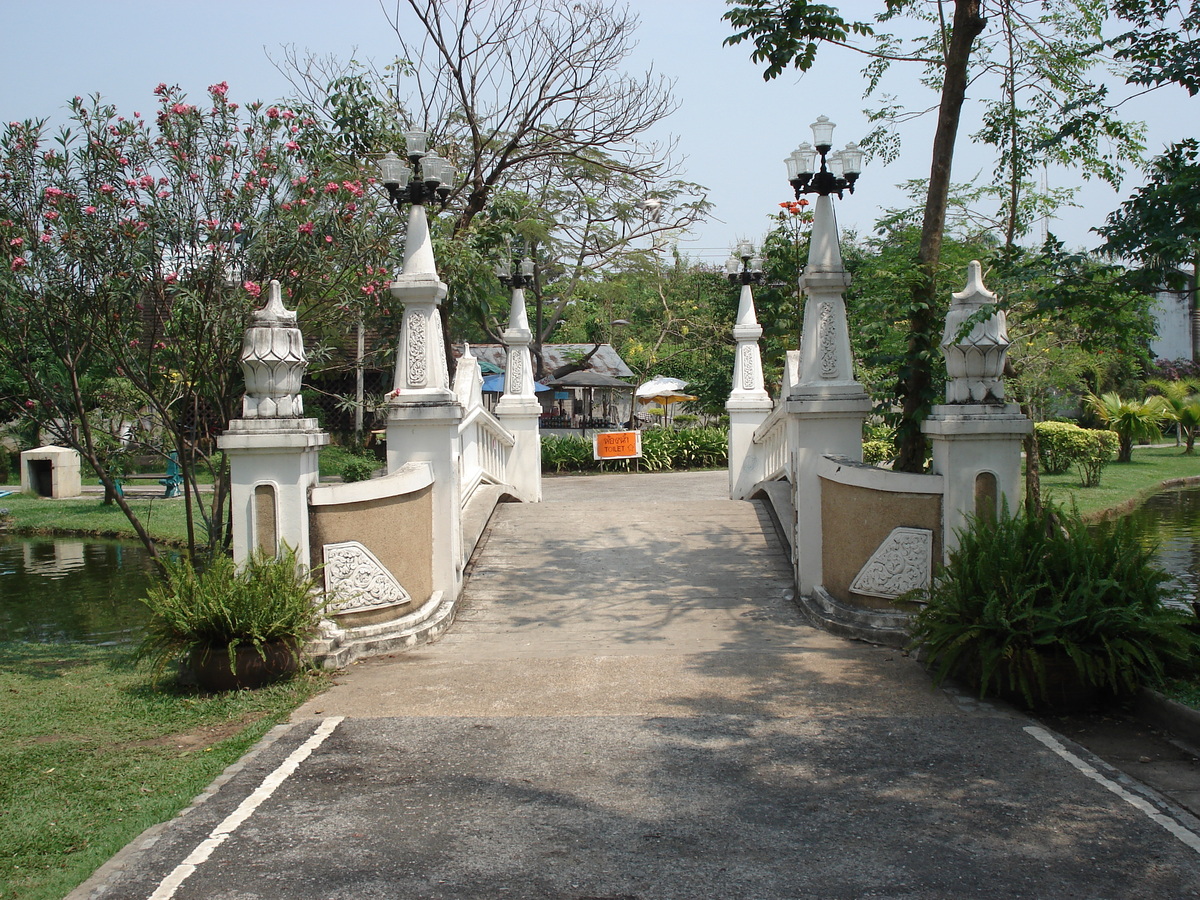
pixel 744 266
pixel 519 396
pixel 826 406
pixel 825 343
pixel 429 177
pixel 421 367
pixel 838 172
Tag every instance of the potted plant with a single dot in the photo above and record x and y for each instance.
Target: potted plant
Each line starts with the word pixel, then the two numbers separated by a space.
pixel 1050 613
pixel 233 627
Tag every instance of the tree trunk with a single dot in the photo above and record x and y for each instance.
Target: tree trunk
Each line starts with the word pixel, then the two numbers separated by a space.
pixel 916 375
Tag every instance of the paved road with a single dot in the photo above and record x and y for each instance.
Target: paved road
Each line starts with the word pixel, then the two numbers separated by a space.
pixel 630 707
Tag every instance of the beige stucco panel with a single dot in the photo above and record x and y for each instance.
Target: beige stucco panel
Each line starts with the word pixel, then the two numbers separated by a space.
pixel 856 520
pixel 398 530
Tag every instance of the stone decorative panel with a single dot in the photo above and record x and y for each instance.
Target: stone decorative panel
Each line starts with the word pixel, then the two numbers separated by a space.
pixel 748 369
pixel 359 580
pixel 418 373
pixel 903 562
pixel 827 341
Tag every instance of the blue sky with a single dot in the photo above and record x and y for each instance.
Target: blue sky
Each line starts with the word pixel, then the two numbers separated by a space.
pixel 733 127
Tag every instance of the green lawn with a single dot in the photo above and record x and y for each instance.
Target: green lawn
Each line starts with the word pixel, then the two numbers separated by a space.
pixel 1122 485
pixel 91 754
pixel 166 520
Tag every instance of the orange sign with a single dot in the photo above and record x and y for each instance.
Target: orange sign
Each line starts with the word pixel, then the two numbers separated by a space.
pixel 617 445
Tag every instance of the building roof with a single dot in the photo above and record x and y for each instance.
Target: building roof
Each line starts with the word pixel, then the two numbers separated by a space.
pixel 606 360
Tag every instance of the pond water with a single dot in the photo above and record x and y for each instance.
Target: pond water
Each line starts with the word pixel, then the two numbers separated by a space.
pixel 1171 520
pixel 72 589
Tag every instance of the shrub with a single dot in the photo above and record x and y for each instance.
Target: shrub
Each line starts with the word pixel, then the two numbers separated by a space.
pixel 1096 449
pixel 1020 595
pixel 1132 420
pixel 876 452
pixel 662 449
pixel 1063 444
pixel 1057 445
pixel 359 468
pixel 225 607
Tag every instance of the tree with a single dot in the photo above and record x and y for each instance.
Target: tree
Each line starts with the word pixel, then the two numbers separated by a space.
pixel 1132 420
pixel 790 32
pixel 530 95
pixel 133 254
pixel 1159 225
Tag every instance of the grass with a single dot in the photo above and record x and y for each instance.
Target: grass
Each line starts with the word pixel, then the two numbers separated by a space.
pixel 91 755
pixel 1123 486
pixel 166 520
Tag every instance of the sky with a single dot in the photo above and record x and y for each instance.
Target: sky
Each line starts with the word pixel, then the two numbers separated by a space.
pixel 733 128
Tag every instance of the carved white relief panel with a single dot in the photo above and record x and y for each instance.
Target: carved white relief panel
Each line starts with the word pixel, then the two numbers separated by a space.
pixel 359 580
pixel 827 341
pixel 903 562
pixel 748 368
pixel 415 334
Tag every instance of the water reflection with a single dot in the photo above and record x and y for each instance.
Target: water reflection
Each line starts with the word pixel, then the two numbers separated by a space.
pixel 1170 520
pixel 70 589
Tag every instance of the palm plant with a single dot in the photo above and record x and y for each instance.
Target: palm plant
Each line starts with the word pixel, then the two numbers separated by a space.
pixel 1182 399
pixel 1132 420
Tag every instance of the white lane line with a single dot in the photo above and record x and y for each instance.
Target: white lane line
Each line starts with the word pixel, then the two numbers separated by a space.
pixel 183 871
pixel 1188 837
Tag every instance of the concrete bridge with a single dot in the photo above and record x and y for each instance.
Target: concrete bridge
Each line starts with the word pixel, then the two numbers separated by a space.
pixel 630 705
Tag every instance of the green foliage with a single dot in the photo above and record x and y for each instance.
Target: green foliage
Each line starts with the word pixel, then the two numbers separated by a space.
pixel 361 468
pixel 1062 445
pixel 1021 593
pixel 1132 420
pixel 662 449
pixel 876 452
pixel 224 607
pixel 1094 450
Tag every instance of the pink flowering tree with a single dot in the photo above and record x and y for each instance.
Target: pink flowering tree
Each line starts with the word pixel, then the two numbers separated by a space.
pixel 132 251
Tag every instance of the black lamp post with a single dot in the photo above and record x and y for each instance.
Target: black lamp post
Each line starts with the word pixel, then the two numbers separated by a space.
pixel 745 266
pixel 520 276
pixel 838 171
pixel 429 177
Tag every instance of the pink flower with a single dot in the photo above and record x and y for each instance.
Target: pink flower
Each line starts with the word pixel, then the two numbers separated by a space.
pixel 16 242
pixel 331 188
pixel 181 109
pixel 90 210
pixel 237 227
pixel 288 114
pixel 219 90
pixel 19 262
pixel 292 145
pixel 329 239
pixel 30 404
pixel 161 89
pixel 273 112
pixel 306 228
pixel 171 277
pixel 45 238
pixel 253 288
pixel 124 160
pixel 50 215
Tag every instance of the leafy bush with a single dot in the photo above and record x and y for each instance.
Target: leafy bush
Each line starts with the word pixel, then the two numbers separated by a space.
pixel 1023 595
pixel 662 449
pixel 1064 444
pixel 1097 448
pixel 1056 445
pixel 360 468
pixel 876 452
pixel 267 600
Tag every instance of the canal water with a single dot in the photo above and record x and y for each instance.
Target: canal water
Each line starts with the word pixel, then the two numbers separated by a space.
pixel 72 589
pixel 1170 520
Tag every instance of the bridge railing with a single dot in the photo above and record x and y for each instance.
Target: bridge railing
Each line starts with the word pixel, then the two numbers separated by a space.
pixel 486 443
pixel 770 456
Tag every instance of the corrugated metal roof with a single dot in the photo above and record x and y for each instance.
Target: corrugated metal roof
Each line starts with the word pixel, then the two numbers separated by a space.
pixel 606 361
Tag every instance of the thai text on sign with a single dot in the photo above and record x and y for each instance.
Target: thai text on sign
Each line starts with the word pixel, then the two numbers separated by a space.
pixel 617 445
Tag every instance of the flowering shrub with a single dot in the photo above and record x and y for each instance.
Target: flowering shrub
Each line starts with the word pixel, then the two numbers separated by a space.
pixel 138 245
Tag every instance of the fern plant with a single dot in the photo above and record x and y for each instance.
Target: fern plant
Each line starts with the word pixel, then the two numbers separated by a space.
pixel 1027 601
